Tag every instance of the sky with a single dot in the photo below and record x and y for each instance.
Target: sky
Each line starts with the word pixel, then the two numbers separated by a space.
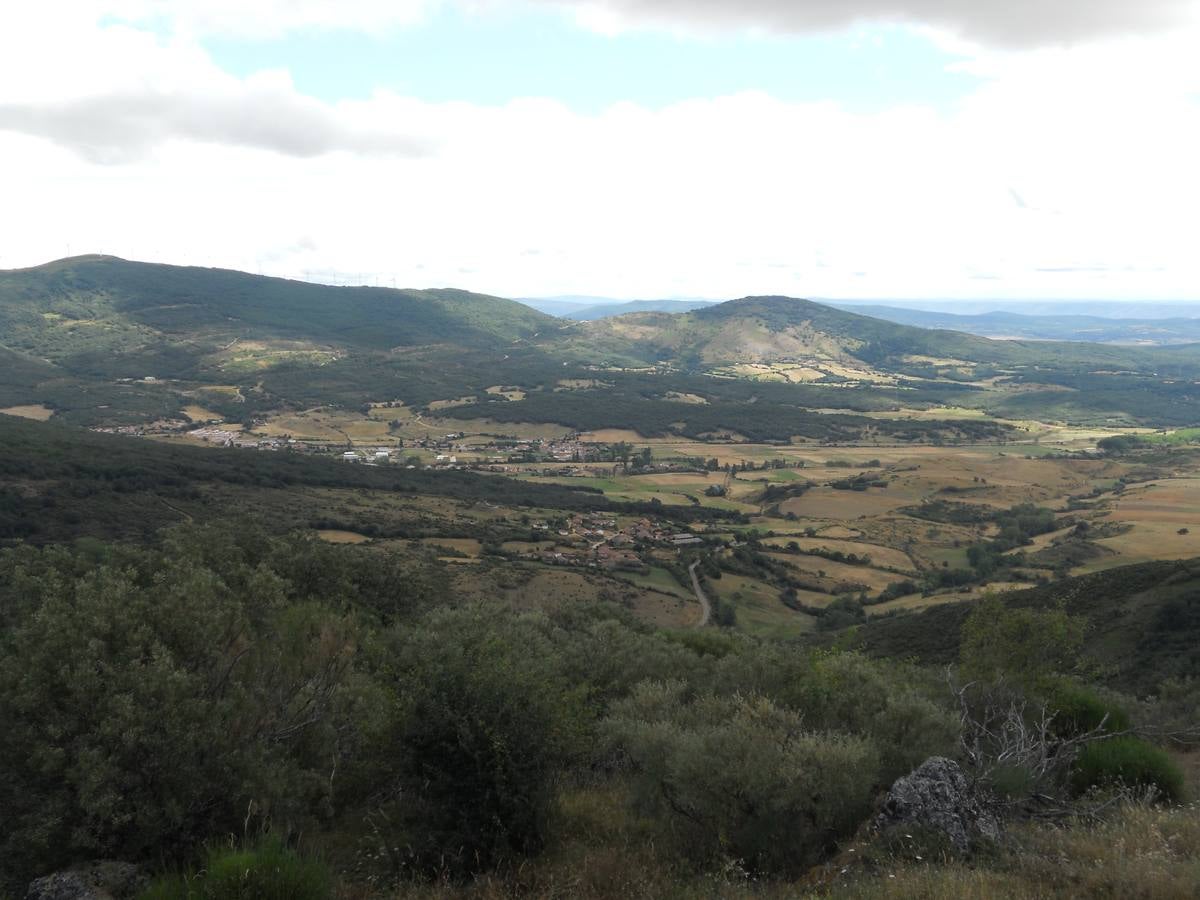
pixel 619 148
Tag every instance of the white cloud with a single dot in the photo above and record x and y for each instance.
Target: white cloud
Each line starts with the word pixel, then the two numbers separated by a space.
pixel 115 93
pixel 1010 23
pixel 711 197
pixel 1013 23
pixel 254 18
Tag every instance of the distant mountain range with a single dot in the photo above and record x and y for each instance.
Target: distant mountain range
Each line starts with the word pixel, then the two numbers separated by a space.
pixel 104 341
pixel 1146 330
pixel 1103 322
pixel 585 309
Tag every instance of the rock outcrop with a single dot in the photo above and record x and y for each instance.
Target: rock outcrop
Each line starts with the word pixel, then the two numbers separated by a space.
pixel 936 795
pixel 105 880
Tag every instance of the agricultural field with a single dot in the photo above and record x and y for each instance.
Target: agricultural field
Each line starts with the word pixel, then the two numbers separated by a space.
pixel 37 412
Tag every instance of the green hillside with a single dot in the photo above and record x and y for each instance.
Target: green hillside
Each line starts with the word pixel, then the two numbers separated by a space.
pixel 1144 622
pixel 86 304
pixel 104 341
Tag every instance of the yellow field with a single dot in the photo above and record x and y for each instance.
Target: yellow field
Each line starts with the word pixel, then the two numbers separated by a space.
pixel 498 390
pixel 200 414
pixel 469 546
pixel 334 426
pixel 880 556
pixel 38 413
pixel 874 580
pixel 915 602
pixel 827 503
pixel 334 536
pixel 446 404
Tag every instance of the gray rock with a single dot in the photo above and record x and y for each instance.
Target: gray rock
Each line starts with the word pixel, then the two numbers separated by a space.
pixel 937 795
pixel 104 880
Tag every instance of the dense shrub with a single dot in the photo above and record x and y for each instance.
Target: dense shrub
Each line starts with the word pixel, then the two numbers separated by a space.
pixel 484 722
pixel 739 778
pixel 1026 645
pixel 1129 762
pixel 148 701
pixel 899 708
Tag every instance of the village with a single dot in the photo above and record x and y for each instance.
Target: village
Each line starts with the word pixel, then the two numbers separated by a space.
pixel 598 541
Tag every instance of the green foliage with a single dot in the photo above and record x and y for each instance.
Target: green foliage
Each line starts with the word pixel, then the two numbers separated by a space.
pixel 1127 761
pixel 1119 444
pixel 484 722
pixel 899 708
pixel 113 486
pixel 620 408
pixel 1024 645
pixel 1079 709
pixel 149 699
pixel 738 778
pixel 266 871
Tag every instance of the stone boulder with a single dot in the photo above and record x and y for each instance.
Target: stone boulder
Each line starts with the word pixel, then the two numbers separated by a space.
pixel 104 880
pixel 937 796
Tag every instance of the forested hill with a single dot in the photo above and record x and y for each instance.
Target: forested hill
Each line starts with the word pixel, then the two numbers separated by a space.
pixel 86 303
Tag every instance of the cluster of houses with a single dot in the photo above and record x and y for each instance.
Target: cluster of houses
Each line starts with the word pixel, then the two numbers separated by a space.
pixel 596 541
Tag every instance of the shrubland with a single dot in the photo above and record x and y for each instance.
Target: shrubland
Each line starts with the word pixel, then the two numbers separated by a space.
pixel 224 702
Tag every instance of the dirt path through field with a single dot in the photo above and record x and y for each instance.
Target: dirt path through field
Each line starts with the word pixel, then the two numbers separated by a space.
pixel 705 606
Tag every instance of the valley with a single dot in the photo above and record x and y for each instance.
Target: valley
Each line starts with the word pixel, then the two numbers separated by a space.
pixel 401 504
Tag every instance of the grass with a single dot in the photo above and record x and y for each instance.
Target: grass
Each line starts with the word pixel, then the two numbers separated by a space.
pixel 1141 851
pixel 267 870
pixel 601 849
pixel 657 579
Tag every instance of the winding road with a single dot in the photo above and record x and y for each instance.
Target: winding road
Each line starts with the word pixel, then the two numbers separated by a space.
pixel 705 606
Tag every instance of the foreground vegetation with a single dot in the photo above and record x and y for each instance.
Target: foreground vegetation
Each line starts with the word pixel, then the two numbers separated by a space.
pixel 223 683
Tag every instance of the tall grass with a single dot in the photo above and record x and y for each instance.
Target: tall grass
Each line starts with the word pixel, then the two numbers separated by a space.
pixel 267 870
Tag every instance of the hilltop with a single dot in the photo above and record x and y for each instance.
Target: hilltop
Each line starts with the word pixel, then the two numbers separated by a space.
pixel 79 306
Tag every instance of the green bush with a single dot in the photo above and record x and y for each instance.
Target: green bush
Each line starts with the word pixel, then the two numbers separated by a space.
pixel 1129 762
pixel 268 871
pixel 739 779
pixel 1079 709
pixel 149 701
pixel 484 723
pixel 894 705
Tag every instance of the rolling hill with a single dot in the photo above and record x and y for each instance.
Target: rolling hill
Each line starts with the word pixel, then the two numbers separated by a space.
pixel 772 330
pixel 105 341
pixel 1143 623
pixel 82 305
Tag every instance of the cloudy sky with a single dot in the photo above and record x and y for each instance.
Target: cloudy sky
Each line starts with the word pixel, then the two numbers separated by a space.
pixel 625 148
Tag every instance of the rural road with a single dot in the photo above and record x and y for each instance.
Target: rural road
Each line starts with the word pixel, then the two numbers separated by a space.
pixel 705 606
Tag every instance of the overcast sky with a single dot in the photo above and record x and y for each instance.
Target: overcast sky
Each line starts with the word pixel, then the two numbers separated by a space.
pixel 625 148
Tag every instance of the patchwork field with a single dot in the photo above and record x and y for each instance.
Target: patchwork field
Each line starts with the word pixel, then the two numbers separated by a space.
pixel 37 412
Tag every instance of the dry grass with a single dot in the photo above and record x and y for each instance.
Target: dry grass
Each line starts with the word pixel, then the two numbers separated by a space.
pixel 36 412
pixel 333 536
pixel 827 503
pixel 1141 852
pixel 880 556
pixel 601 850
pixel 470 546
